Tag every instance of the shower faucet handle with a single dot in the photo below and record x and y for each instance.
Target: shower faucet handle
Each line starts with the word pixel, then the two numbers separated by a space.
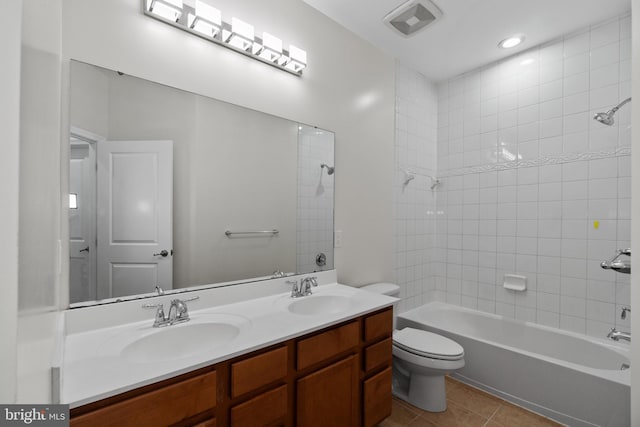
pixel 625 310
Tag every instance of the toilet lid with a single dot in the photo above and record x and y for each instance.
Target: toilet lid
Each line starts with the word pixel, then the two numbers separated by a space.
pixel 427 344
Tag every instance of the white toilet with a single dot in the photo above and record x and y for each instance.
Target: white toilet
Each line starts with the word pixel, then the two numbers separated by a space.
pixel 421 359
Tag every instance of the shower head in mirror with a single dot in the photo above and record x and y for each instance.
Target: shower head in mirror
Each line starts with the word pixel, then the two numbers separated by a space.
pixel 607 118
pixel 330 169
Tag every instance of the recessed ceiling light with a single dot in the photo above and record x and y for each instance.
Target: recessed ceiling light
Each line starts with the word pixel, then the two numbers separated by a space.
pixel 510 42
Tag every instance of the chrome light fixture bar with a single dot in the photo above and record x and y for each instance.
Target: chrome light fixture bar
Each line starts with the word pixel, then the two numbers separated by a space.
pixel 206 22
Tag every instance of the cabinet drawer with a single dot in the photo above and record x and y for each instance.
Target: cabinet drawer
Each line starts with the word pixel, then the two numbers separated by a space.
pixel 377 398
pixel 377 354
pixel 165 406
pixel 258 371
pixel 263 410
pixel 378 325
pixel 327 344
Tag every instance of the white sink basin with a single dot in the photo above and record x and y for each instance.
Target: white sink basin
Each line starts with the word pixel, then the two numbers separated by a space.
pixel 179 341
pixel 314 305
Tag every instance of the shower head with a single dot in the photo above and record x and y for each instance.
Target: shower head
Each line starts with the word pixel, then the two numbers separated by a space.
pixel 330 169
pixel 607 118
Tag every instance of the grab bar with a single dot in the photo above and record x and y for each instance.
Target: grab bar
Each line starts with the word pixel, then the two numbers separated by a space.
pixel 616 264
pixel 230 233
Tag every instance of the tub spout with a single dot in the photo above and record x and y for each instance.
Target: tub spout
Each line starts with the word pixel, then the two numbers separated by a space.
pixel 618 335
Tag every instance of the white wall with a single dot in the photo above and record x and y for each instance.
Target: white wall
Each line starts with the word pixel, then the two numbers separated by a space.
pixel 533 186
pixel 347 88
pixel 11 35
pixel 39 223
pixel 635 213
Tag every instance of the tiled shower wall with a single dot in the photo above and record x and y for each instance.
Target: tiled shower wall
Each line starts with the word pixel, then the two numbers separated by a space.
pixel 315 199
pixel 531 185
pixel 415 202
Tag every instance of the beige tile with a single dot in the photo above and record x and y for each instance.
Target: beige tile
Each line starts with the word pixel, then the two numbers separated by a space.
pixel 454 416
pixel 474 400
pixel 401 415
pixel 421 422
pixel 509 415
pixel 450 384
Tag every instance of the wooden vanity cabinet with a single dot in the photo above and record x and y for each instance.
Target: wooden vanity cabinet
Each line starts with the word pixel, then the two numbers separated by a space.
pixel 338 376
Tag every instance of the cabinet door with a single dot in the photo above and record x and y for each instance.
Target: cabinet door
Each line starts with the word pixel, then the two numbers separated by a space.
pixel 377 398
pixel 329 397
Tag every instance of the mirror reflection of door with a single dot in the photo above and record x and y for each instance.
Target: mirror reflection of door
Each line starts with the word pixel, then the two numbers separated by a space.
pixel 134 221
pixel 82 221
pixel 120 217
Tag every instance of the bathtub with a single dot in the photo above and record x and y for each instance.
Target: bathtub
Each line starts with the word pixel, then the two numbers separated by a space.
pixel 570 378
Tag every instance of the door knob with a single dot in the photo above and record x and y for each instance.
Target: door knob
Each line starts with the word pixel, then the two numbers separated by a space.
pixel 84 250
pixel 163 253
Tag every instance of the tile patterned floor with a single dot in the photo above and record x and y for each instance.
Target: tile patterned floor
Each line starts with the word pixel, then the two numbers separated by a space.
pixel 466 407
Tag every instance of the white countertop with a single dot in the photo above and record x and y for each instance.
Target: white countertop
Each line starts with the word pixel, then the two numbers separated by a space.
pixel 94 368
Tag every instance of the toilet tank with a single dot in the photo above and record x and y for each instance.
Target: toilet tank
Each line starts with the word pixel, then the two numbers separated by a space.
pixel 383 288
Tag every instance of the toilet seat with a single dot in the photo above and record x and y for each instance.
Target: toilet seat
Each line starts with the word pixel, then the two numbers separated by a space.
pixel 427 344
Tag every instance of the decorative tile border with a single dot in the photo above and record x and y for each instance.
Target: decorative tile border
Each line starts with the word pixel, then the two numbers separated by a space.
pixel 541 161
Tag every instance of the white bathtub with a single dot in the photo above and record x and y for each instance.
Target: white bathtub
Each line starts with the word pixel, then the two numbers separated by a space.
pixel 571 378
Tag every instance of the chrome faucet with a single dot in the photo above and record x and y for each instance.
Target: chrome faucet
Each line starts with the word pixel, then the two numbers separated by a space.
pixel 178 313
pixel 305 285
pixel 304 288
pixel 618 335
pixel 277 274
pixel 295 291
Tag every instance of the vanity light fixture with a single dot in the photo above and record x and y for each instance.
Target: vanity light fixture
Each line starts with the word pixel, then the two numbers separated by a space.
pixel 206 22
pixel 270 49
pixel 168 9
pixel 241 35
pixel 207 19
pixel 297 60
pixel 510 42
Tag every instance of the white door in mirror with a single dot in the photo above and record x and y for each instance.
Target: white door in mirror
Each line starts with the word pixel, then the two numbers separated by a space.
pixel 135 232
pixel 82 218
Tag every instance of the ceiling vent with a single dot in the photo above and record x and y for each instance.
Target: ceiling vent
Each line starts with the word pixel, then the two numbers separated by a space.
pixel 412 16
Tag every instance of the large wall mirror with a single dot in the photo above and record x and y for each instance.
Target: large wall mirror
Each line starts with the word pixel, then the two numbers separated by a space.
pixel 173 189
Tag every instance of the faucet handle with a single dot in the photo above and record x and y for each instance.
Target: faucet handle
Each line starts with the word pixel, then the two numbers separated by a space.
pixel 295 292
pixel 160 320
pixel 625 310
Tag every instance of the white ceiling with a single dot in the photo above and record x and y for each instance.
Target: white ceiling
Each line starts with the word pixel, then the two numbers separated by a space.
pixel 467 35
